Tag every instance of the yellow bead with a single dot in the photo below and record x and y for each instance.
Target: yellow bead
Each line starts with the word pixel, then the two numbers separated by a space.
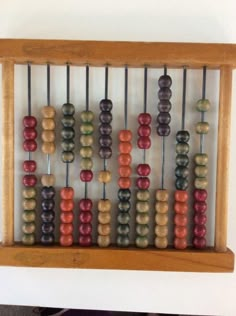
pixel 86 152
pixel 86 140
pixel 203 105
pixel 142 207
pixel 48 136
pixel 104 229
pixel 142 218
pixel 161 242
pixel 48 148
pixel 161 207
pixel 202 128
pixel 48 180
pixel 48 124
pixel 201 171
pixel 86 164
pixel 104 205
pixel 161 231
pixel 86 128
pixel 143 195
pixel 201 159
pixel 29 204
pixel 104 176
pixel 103 241
pixel 48 111
pixel 161 219
pixel 104 217
pixel 201 183
pixel 162 195
pixel 29 193
pixel 87 116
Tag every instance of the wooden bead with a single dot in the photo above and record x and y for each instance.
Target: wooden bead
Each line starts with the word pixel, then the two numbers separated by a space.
pixel 29 133
pixel 199 231
pixel 162 195
pixel 199 243
pixel 200 219
pixel 201 159
pixel 68 109
pixel 180 220
pixel 86 217
pixel 86 140
pixel 123 218
pixel 164 118
pixel 181 184
pixel 105 152
pixel 200 207
pixel 202 128
pixel 86 175
pixel 29 165
pixel 180 243
pixel 200 183
pixel 28 239
pixel 47 192
pixel 200 195
pixel 142 218
pixel 161 207
pixel 124 159
pixel 181 196
pixel 67 133
pixel 105 140
pixel 105 129
pixel 86 128
pixel 47 239
pixel 85 241
pixel 125 147
pixel 48 180
pixel 48 124
pixel 161 242
pixel 104 217
pixel 161 231
pixel 124 183
pixel 67 156
pixel 29 228
pixel 85 229
pixel 48 111
pixel 29 193
pixel 201 171
pixel 144 119
pixel 144 130
pixel 164 106
pixel 163 130
pixel 143 195
pixel 182 148
pixel 142 230
pixel 141 241
pixel 104 229
pixel 125 171
pixel 182 160
pixel 48 205
pixel 203 105
pixel 67 145
pixel 124 194
pixel 48 216
pixel 67 193
pixel 48 136
pixel 29 121
pixel 143 183
pixel 67 205
pixel 29 180
pixel 144 142
pixel 86 163
pixel 182 136
pixel 87 116
pixel 164 81
pixel 142 207
pixel 29 216
pixel 48 148
pixel 29 204
pixel 66 229
pixel 122 241
pixel 85 205
pixel 143 169
pixel 105 117
pixel 104 176
pixel 181 172
pixel 66 217
pixel 30 145
pixel 123 229
pixel 103 241
pixel 181 207
pixel 161 219
pixel 104 205
pixel 105 105
pixel 125 135
pixel 68 121
pixel 124 206
pixel 86 152
pixel 66 240
pixel 180 231
pixel 47 228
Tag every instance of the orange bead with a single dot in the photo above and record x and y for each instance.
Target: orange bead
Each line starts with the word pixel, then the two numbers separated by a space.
pixel 124 183
pixel 67 217
pixel 66 240
pixel 67 205
pixel 125 135
pixel 180 220
pixel 124 159
pixel 125 171
pixel 180 231
pixel 66 229
pixel 125 147
pixel 180 243
pixel 67 193
pixel 181 207
pixel 181 196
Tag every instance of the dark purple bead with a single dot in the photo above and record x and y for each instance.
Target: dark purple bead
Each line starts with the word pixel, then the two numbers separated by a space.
pixel 105 117
pixel 47 228
pixel 164 106
pixel 163 118
pixel 48 216
pixel 182 136
pixel 105 152
pixel 48 192
pixel 47 239
pixel 164 94
pixel 163 130
pixel 105 105
pixel 165 81
pixel 105 141
pixel 105 129
pixel 48 205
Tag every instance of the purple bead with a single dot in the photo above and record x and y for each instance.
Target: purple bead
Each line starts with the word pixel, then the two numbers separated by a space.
pixel 164 106
pixel 47 228
pixel 200 231
pixel 48 216
pixel 48 205
pixel 105 105
pixel 200 207
pixel 48 192
pixel 105 117
pixel 105 141
pixel 105 129
pixel 165 81
pixel 164 118
pixel 163 130
pixel 47 239
pixel 105 152
pixel 164 94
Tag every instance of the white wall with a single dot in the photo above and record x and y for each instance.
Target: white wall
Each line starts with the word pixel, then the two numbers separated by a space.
pixel 173 20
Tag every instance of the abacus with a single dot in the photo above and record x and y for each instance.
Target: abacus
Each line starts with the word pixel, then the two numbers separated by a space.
pixel 86 224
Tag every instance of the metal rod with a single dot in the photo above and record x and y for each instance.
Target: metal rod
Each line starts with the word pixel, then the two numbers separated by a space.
pixel 87 88
pixel 48 164
pixel 184 97
pixel 29 89
pixel 126 98
pixel 106 82
pixel 67 174
pixel 48 84
pixel 165 70
pixel 203 113
pixel 85 190
pixel 145 90
pixel 68 83
pixel 163 163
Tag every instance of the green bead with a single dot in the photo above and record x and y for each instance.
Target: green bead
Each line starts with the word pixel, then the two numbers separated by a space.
pixel 87 116
pixel 124 206
pixel 182 160
pixel 29 228
pixel 181 184
pixel 141 242
pixel 86 152
pixel 28 239
pixel 201 159
pixel 181 172
pixel 67 156
pixel 122 241
pixel 182 148
pixel 142 207
pixel 29 216
pixel 123 218
pixel 86 140
pixel 123 230
pixel 86 164
pixel 143 195
pixel 202 128
pixel 201 171
pixel 68 145
pixel 142 218
pixel 68 121
pixel 86 128
pixel 203 105
pixel 200 183
pixel 124 194
pixel 142 230
pixel 68 133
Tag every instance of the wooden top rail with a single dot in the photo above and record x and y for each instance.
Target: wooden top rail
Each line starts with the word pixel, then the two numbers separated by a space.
pixel 134 54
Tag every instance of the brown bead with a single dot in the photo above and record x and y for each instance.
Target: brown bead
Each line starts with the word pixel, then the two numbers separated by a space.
pixel 161 219
pixel 161 207
pixel 48 111
pixel 104 205
pixel 162 195
pixel 48 124
pixel 104 229
pixel 161 242
pixel 48 148
pixel 29 193
pixel 48 136
pixel 48 180
pixel 104 217
pixel 104 241
pixel 161 231
pixel 104 176
pixel 29 204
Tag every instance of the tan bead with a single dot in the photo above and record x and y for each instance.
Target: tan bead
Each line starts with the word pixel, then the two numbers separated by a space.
pixel 104 241
pixel 48 148
pixel 202 128
pixel 201 159
pixel 201 171
pixel 104 229
pixel 142 218
pixel 48 180
pixel 28 239
pixel 86 140
pixel 29 216
pixel 48 124
pixel 29 204
pixel 143 195
pixel 142 207
pixel 161 231
pixel 162 195
pixel 48 136
pixel 161 207
pixel 161 242
pixel 48 111
pixel 86 164
pixel 86 152
pixel 29 228
pixel 104 205
pixel 104 176
pixel 104 217
pixel 201 183
pixel 161 219
pixel 203 105
pixel 29 193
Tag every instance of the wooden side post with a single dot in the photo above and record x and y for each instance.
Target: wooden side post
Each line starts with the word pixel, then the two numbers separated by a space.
pixel 223 159
pixel 8 153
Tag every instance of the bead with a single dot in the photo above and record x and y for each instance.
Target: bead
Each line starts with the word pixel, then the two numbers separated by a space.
pixel 86 163
pixel 47 239
pixel 105 140
pixel 67 133
pixel 125 135
pixel 161 231
pixel 29 165
pixel 144 119
pixel 86 140
pixel 104 230
pixel 47 228
pixel 144 130
pixel 86 152
pixel 200 219
pixel 199 243
pixel 85 229
pixel 200 195
pixel 67 205
pixel 87 116
pixel 180 243
pixel 103 241
pixel 68 109
pixel 67 193
pixel 124 159
pixel 48 136
pixel 124 206
pixel 181 172
pixel 48 216
pixel 28 239
pixel 68 145
pixel 201 159
pixel 180 220
pixel 29 216
pixel 123 229
pixel 86 175
pixel 85 217
pixel 29 193
pixel 67 217
pixel 29 180
pixel 182 136
pixel 48 148
pixel 181 184
pixel 30 133
pixel 124 183
pixel 29 204
pixel 105 152
pixel 67 156
pixel 29 228
pixel 199 231
pixel 124 194
pixel 163 130
pixel 164 106
pixel 85 241
pixel 105 129
pixel 164 93
pixel 123 218
pixel 105 105
pixel 104 217
pixel 48 192
pixel 66 240
pixel 161 219
pixel 29 121
pixel 48 124
pixel 200 183
pixel 164 118
pixel 30 145
pixel 201 171
pixel 162 195
pixel 48 111
pixel 144 142
pixel 143 195
pixel 142 207
pixel 180 231
pixel 125 147
pixel 85 205
pixel 182 160
pixel 66 229
pixel 104 205
pixel 125 171
pixel 105 117
pixel 141 242
pixel 161 242
pixel 203 105
pixel 68 121
pixel 143 183
pixel 142 230
pixel 181 207
pixel 48 180
pixel 161 207
pixel 86 128
pixel 122 241
pixel 202 128
pixel 165 81
pixel 142 218
pixel 200 207
pixel 182 148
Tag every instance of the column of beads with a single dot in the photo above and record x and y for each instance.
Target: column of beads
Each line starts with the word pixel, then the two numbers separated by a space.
pixel 29 180
pixel 86 174
pixel 105 152
pixel 143 171
pixel 124 181
pixel 47 180
pixel 181 183
pixel 200 183
pixel 67 156
pixel 163 130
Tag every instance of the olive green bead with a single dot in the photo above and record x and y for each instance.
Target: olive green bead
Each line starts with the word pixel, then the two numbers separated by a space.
pixel 86 140
pixel 181 172
pixel 161 219
pixel 122 241
pixel 142 218
pixel 67 133
pixel 182 148
pixel 182 160
pixel 86 152
pixel 203 105
pixel 103 241
pixel 29 216
pixel 161 207
pixel 201 183
pixel 29 204
pixel 123 229
pixel 161 231
pixel 86 164
pixel 181 184
pixel 86 128
pixel 29 228
pixel 162 195
pixel 29 193
pixel 161 242
pixel 142 230
pixel 28 239
pixel 68 121
pixel 142 207
pixel 124 206
pixel 68 145
pixel 201 159
pixel 202 128
pixel 123 218
pixel 143 195
pixel 87 116
pixel 201 171
pixel 67 156
pixel 141 242
pixel 68 109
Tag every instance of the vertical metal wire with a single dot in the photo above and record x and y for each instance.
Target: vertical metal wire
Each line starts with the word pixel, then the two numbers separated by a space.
pixel 48 103
pixel 87 88
pixel 29 96
pixel 203 113
pixel 68 101
pixel 105 160
pixel 145 102
pixel 163 163
pixel 126 99
pixel 184 97
pixel 106 82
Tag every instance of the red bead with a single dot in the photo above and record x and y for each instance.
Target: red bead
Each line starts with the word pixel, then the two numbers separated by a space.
pixel 200 219
pixel 144 142
pixel 67 217
pixel 124 182
pixel 29 121
pixel 86 175
pixel 85 217
pixel 144 118
pixel 144 130
pixel 66 229
pixel 29 166
pixel 180 231
pixel 30 133
pixel 125 171
pixel 85 205
pixel 124 159
pixel 30 145
pixel 29 180
pixel 143 169
pixel 199 243
pixel 85 229
pixel 125 147
pixel 200 207
pixel 180 220
pixel 85 241
pixel 67 193
pixel 180 243
pixel 181 196
pixel 200 195
pixel 143 183
pixel 66 240
pixel 67 205
pixel 125 135
pixel 181 207
pixel 199 230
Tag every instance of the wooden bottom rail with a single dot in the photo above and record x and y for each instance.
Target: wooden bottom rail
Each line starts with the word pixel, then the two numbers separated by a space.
pixel 121 259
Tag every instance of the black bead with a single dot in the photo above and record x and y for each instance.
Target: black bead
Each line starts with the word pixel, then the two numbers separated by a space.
pixel 47 239
pixel 68 145
pixel 164 94
pixel 165 81
pixel 163 118
pixel 48 205
pixel 105 152
pixel 47 228
pixel 48 216
pixel 48 192
pixel 181 184
pixel 163 130
pixel 123 230
pixel 105 141
pixel 182 136
pixel 105 117
pixel 124 206
pixel 105 129
pixel 68 121
pixel 68 109
pixel 124 194
pixel 182 160
pixel 164 106
pixel 105 105
pixel 68 133
pixel 181 172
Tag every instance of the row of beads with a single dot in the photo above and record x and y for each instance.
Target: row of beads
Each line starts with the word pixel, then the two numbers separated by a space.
pixel 68 133
pixel 180 219
pixel 104 223
pixel 161 219
pixel 144 131
pixel 85 226
pixel 48 133
pixel 66 216
pixel 105 129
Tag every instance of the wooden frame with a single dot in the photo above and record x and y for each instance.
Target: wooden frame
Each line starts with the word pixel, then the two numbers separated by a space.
pixel 215 56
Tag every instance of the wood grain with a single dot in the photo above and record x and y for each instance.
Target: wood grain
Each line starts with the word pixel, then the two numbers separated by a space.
pixel 8 153
pixel 134 54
